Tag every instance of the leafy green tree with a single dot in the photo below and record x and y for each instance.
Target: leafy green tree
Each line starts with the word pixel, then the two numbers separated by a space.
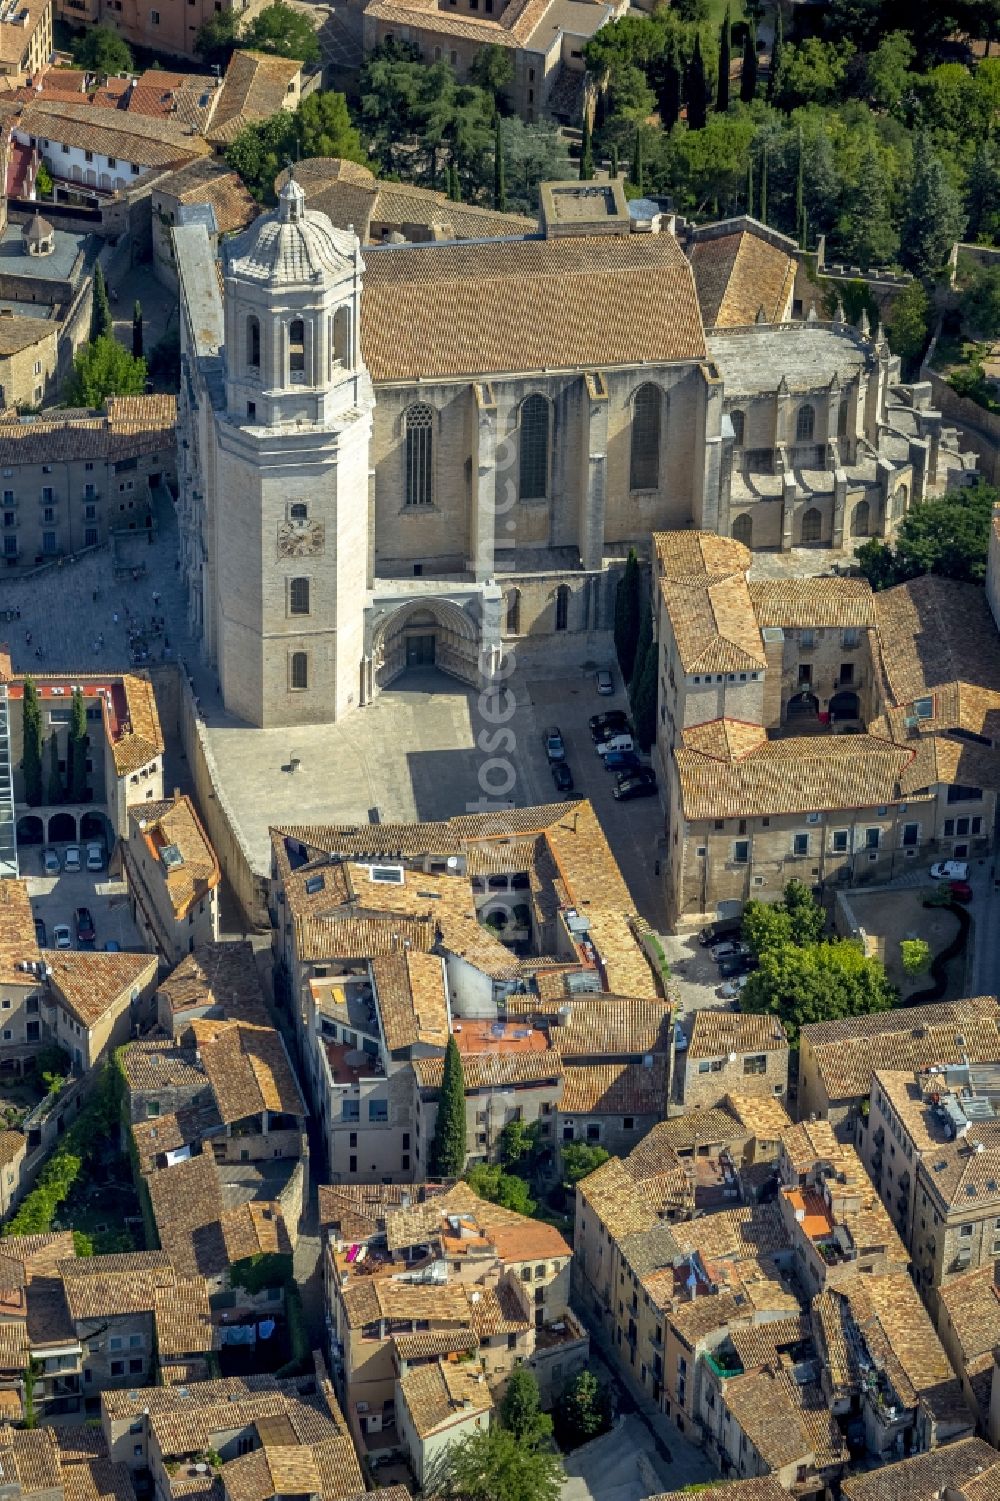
pixel 499 173
pixel 697 89
pixel 101 50
pixel 137 330
pixel 818 982
pixel 519 1144
pixel 586 152
pixel 102 369
pixel 628 603
pixel 320 126
pixel 806 916
pixel 492 70
pixel 748 72
pixel 521 1409
pixel 507 1189
pixel 766 926
pixel 492 1465
pixel 947 536
pixel 580 1160
pixel 935 216
pixel 887 70
pixel 31 755
pixel 284 32
pixel 532 154
pixel 583 1411
pixel 323 127
pixel 216 38
pixel 725 59
pixel 908 325
pixel 670 84
pixel 448 1146
pixel 813 72
pixel 76 758
pixel 638 170
pixel 43 180
pixel 916 955
pixel 613 162
pixel 100 306
pixel 55 786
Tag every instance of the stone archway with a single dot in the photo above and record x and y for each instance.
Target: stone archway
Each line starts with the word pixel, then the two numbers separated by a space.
pixel 62 828
pixel 426 633
pixel 803 703
pixel 845 705
pixel 97 825
pixel 30 829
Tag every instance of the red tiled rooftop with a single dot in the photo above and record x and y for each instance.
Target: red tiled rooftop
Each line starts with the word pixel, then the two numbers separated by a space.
pixel 345 1072
pixel 810 1211
pixel 498 1037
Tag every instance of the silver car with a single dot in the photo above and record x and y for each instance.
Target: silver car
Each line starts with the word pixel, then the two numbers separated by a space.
pixel 95 856
pixel 50 862
pixel 71 859
pixel 605 681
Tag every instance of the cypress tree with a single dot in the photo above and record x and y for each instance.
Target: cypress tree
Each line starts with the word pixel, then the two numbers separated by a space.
pixel 32 733
pixel 748 81
pixel 586 152
pixel 800 196
pixel 499 174
pixel 697 89
pixel 55 788
pixel 448 1144
pixel 763 187
pixel 100 307
pixel 644 643
pixel 750 182
pixel 137 330
pixel 777 48
pixel 725 57
pixel 76 759
pixel 614 161
pixel 638 166
pixel 644 699
pixel 456 183
pixel 671 87
pixel 627 605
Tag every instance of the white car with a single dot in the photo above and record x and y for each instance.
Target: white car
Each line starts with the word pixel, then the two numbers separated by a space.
pixel 605 682
pixel 62 938
pixel 71 859
pixel 95 856
pixel 50 862
pixel 950 870
pixel 732 989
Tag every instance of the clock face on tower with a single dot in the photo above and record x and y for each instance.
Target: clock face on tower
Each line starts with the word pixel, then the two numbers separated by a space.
pixel 301 539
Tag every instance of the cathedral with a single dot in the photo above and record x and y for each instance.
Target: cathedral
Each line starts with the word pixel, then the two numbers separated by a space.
pixel 411 454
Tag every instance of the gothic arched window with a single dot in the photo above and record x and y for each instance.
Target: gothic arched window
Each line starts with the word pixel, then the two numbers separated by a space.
pixel 805 424
pixel 644 466
pixel 534 449
pixel 738 420
pixel 418 425
pixel 743 530
pixel 296 347
pixel 861 519
pixel 253 343
pixel 812 523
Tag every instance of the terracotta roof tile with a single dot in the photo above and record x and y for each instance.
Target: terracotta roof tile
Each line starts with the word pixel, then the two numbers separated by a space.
pixel 130 138
pixel 718 1032
pixel 18 944
pixel 813 603
pixel 173 825
pixel 615 1089
pixel 739 275
pixel 435 1396
pixel 93 983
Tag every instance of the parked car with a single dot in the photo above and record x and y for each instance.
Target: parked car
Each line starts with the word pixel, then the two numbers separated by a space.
pixel 725 927
pixel 561 775
pixel 605 681
pixel 620 742
pixel 51 863
pixel 730 948
pixel 961 891
pixel 553 741
pixel 950 870
pixel 609 732
pixel 736 964
pixel 62 938
pixel 85 931
pixel 732 989
pixel 610 721
pixel 71 859
pixel 641 783
pixel 40 933
pixel 95 856
pixel 621 760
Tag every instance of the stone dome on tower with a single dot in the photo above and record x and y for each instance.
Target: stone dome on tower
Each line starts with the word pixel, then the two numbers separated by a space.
pixel 292 246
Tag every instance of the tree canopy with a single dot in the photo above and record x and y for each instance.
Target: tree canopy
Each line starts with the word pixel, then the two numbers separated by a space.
pixel 101 50
pixel 816 983
pixel 283 31
pixel 948 536
pixel 102 369
pixel 319 126
pixel 493 1465
pixel 521 1409
pixel 448 1146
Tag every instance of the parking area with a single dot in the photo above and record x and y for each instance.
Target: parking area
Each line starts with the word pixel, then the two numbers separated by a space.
pixel 55 899
pixel 694 972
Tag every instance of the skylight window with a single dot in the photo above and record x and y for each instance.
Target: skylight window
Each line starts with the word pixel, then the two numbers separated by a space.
pixel 387 875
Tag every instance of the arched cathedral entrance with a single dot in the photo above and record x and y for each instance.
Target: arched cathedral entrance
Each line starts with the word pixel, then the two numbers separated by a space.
pixel 424 634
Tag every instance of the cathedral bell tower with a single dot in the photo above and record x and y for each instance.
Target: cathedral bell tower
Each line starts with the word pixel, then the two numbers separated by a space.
pixel 292 470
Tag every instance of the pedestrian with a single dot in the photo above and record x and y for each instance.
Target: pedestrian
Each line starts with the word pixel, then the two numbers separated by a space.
pixel 94 596
pixel 27 637
pixel 156 597
pixel 115 617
